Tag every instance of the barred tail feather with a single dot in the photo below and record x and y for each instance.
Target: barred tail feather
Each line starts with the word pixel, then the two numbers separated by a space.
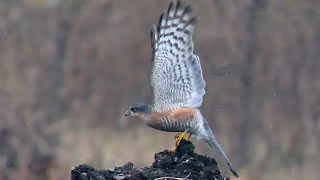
pixel 214 144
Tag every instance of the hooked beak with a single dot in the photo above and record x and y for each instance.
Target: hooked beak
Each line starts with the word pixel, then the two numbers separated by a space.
pixel 128 113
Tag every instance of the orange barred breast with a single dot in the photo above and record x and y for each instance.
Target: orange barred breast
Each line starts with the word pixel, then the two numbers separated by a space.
pixel 176 120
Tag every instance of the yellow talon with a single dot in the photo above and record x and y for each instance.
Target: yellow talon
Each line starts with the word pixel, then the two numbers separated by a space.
pixel 179 137
pixel 172 150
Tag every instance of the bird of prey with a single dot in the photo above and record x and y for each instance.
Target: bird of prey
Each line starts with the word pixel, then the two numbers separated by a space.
pixel 176 80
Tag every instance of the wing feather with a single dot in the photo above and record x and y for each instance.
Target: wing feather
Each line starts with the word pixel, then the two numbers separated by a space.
pixel 176 77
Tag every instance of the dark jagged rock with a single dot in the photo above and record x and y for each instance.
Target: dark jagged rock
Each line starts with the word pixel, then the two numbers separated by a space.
pixel 180 164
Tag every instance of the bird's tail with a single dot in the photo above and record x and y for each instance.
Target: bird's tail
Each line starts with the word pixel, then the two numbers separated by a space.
pixel 214 144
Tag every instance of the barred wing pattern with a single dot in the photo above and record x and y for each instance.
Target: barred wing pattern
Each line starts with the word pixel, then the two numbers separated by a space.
pixel 176 77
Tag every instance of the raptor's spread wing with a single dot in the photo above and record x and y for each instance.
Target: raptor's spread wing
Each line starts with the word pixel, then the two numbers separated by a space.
pixel 176 77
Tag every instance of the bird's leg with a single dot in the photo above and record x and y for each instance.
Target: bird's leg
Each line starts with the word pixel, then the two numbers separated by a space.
pixel 179 137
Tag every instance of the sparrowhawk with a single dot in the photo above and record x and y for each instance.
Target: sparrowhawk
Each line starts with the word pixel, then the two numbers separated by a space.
pixel 176 80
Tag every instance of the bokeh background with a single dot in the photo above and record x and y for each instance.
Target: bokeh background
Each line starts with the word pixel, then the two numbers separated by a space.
pixel 69 69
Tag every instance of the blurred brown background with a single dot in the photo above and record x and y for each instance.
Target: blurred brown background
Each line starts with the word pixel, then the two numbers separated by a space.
pixel 69 69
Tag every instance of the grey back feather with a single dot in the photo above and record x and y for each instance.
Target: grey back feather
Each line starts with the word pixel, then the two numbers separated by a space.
pixel 176 77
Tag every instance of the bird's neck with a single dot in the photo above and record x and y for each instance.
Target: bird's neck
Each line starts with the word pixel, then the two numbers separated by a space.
pixel 150 116
pixel 145 117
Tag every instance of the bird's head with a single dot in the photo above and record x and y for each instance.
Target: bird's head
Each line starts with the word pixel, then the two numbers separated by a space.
pixel 138 109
